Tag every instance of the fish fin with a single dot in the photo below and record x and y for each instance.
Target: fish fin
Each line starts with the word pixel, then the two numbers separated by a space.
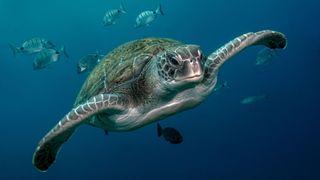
pixel 14 49
pixel 79 70
pixel 136 26
pixel 276 52
pixel 106 132
pixel 159 10
pixel 49 44
pixel 122 9
pixel 159 130
pixel 63 50
pixel 226 84
pixel 100 58
pixel 49 67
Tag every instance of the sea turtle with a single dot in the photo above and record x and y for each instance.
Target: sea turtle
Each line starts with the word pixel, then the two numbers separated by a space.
pixel 144 81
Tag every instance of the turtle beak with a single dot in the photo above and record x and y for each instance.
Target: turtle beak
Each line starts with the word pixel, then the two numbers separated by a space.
pixel 191 70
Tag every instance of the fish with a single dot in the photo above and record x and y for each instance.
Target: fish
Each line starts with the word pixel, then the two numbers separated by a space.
pixel 170 134
pixel 113 15
pixel 46 57
pixel 32 46
pixel 265 56
pixel 253 99
pixel 225 84
pixel 88 62
pixel 145 18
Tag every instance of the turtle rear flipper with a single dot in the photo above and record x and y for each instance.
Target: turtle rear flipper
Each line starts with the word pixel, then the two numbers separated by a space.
pixel 49 146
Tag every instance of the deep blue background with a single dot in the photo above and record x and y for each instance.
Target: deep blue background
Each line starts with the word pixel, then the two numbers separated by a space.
pixel 274 139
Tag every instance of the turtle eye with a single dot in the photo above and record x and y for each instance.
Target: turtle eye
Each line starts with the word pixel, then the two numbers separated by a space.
pixel 173 61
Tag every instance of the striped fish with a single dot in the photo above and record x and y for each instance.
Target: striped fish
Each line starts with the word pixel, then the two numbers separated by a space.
pixel 265 56
pixel 113 15
pixel 88 62
pixel 46 57
pixel 32 45
pixel 147 17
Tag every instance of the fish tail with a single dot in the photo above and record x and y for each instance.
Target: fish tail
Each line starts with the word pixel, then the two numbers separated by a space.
pixel 122 9
pixel 136 25
pixel 159 10
pixel 14 49
pixel 226 84
pixel 159 130
pixel 63 50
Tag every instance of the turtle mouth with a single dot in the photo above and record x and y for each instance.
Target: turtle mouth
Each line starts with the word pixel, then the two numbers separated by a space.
pixel 194 77
pixel 190 71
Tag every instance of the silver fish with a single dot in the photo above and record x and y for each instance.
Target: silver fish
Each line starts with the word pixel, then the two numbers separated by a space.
pixel 113 15
pixel 88 62
pixel 253 99
pixel 147 17
pixel 265 56
pixel 31 46
pixel 46 57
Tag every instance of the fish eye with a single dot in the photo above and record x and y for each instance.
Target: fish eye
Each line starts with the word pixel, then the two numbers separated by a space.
pixel 57 52
pixel 21 48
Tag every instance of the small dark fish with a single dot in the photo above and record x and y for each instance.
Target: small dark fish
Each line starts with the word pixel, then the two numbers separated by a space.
pixel 145 18
pixel 170 134
pixel 88 62
pixel 253 99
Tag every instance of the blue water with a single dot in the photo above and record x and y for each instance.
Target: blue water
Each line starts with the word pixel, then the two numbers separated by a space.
pixel 277 138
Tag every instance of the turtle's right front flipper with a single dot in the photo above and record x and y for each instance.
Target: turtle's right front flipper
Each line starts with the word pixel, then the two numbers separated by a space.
pixel 268 38
pixel 49 146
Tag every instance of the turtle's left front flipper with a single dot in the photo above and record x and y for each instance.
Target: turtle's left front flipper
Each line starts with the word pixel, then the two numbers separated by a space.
pixel 49 146
pixel 268 38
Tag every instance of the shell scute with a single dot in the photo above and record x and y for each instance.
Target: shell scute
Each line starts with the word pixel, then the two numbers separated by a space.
pixel 121 65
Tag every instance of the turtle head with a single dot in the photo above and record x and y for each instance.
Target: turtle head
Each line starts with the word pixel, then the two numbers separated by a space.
pixel 182 65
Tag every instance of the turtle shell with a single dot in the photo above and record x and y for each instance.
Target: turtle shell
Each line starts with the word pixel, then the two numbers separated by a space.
pixel 122 65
